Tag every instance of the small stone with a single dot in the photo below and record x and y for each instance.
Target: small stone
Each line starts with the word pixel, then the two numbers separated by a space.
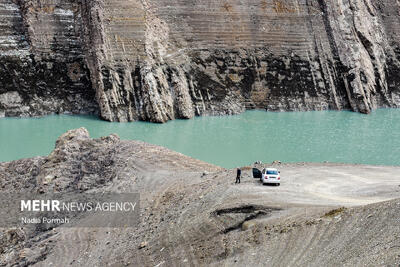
pixel 48 179
pixel 143 245
pixel 247 225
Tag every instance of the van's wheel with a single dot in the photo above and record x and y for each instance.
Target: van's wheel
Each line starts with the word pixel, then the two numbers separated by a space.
pixel 278 184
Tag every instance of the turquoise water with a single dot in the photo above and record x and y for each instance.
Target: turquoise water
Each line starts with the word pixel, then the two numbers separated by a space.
pixel 232 140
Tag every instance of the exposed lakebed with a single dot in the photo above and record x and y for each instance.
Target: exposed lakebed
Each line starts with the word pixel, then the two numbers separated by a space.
pixel 231 140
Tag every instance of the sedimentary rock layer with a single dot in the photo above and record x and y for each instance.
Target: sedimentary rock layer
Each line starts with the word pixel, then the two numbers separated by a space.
pixel 42 67
pixel 158 60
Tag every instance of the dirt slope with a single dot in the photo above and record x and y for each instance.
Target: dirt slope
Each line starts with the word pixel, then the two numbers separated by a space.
pixel 192 213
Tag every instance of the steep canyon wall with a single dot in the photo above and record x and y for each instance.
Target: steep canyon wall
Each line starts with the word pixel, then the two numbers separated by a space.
pixel 42 62
pixel 158 60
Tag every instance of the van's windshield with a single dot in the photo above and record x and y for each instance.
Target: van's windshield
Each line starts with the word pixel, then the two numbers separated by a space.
pixel 272 172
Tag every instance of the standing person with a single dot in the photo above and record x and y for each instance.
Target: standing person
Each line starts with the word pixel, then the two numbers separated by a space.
pixel 238 174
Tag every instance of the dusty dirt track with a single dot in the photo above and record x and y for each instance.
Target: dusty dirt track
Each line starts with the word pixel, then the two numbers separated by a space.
pixel 192 213
pixel 331 184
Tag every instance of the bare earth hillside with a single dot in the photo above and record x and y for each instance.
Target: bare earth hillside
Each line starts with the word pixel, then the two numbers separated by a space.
pixel 192 213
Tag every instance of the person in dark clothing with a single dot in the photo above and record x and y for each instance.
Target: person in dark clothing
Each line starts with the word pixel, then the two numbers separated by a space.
pixel 238 174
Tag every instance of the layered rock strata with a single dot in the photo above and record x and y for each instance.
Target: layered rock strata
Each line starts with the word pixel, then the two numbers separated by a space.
pixel 42 66
pixel 158 60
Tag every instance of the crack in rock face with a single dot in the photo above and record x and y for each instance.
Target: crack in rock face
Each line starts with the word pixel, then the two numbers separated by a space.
pixel 232 219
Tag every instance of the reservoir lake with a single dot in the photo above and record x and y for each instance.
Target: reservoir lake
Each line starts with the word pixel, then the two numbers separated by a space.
pixel 230 141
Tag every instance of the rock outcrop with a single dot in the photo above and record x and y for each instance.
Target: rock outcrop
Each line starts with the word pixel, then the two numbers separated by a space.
pixel 158 60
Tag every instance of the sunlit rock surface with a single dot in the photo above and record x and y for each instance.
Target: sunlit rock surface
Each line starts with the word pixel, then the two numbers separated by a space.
pixel 158 60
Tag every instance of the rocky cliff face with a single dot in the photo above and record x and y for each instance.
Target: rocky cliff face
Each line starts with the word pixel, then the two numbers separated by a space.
pixel 42 66
pixel 158 60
